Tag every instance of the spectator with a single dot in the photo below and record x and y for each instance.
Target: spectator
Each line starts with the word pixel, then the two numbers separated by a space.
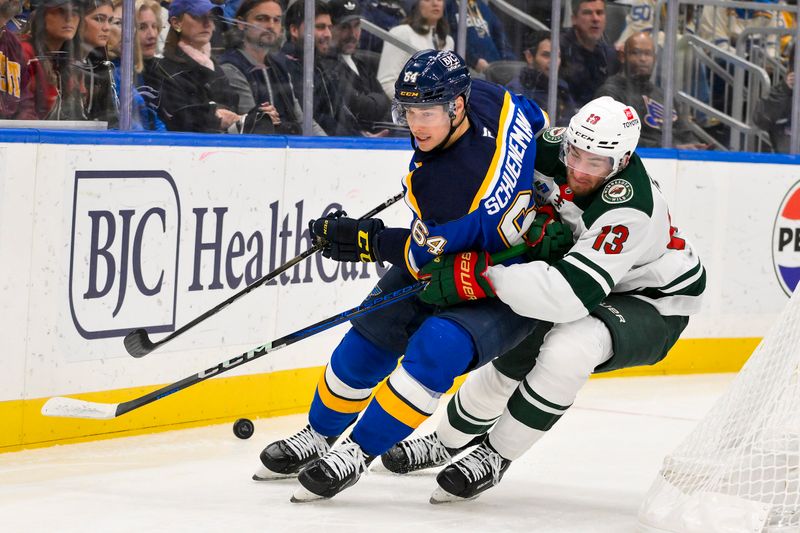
pixel 144 116
pixel 148 28
pixel 486 38
pixel 533 80
pixel 426 27
pixel 250 67
pixel 354 76
pixel 100 98
pixel 774 113
pixel 386 14
pixel 16 98
pixel 633 87
pixel 290 60
pixel 586 58
pixel 52 47
pixel 194 93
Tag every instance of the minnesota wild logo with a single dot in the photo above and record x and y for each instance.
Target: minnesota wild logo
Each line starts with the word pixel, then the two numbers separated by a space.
pixel 554 135
pixel 617 191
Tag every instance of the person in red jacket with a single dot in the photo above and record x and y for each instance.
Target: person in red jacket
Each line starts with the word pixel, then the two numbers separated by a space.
pixel 16 99
pixel 52 47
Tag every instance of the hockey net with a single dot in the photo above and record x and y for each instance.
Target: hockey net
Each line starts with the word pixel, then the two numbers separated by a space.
pixel 739 471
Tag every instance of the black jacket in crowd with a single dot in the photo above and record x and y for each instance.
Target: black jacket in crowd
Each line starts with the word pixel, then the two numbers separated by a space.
pixel 535 86
pixel 100 99
pixel 189 93
pixel 290 60
pixel 584 70
pixel 363 99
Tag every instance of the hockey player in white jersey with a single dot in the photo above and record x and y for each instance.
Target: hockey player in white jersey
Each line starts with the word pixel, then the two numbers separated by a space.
pixel 620 297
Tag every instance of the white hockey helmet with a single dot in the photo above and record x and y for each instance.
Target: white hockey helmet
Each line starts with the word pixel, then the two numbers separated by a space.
pixel 606 127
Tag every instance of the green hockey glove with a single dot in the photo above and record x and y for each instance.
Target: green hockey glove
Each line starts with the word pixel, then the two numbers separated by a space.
pixel 347 239
pixel 457 278
pixel 548 238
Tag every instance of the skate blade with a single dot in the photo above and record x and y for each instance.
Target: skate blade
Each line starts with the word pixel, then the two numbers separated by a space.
pixel 442 496
pixel 303 495
pixel 265 474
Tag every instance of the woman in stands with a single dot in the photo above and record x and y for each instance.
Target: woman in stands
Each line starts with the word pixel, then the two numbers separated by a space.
pixel 100 97
pixel 426 27
pixel 144 113
pixel 148 28
pixel 52 46
pixel 194 93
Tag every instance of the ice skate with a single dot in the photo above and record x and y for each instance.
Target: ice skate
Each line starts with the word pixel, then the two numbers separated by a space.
pixel 421 453
pixel 335 471
pixel 285 458
pixel 468 477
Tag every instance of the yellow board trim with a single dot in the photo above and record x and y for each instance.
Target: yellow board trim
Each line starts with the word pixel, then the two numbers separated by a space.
pixel 398 408
pixel 276 394
pixel 335 403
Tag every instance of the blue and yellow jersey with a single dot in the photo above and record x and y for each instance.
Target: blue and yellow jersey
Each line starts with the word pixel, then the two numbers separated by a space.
pixel 478 193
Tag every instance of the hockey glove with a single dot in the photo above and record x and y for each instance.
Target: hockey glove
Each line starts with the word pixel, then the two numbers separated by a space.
pixel 549 239
pixel 347 239
pixel 457 278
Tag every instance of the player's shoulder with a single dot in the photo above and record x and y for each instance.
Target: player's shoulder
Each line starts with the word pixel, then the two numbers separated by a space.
pixel 631 189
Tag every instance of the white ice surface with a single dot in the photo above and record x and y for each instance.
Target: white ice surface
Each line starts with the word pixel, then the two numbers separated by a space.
pixel 588 474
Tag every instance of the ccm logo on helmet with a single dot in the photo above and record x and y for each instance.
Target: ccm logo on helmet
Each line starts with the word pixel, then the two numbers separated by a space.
pixel 584 136
pixel 409 93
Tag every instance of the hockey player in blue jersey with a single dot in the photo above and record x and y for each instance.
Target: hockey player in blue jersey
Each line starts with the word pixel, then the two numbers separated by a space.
pixel 469 186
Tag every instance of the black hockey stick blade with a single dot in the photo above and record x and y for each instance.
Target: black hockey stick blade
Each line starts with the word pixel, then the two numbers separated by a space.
pixel 138 343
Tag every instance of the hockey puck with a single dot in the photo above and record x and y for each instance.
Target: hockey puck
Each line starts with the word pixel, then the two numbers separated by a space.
pixel 243 428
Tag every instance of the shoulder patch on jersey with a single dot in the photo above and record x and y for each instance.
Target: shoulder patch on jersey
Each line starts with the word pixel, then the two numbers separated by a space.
pixel 554 135
pixel 617 191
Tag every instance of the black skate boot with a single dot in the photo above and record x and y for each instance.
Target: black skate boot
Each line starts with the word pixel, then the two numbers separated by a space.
pixel 335 471
pixel 465 479
pixel 285 458
pixel 421 453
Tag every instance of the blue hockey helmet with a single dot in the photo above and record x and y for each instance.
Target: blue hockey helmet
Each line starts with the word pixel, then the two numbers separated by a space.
pixel 431 77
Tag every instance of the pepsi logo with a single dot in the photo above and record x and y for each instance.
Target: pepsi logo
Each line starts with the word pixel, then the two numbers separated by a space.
pixel 786 241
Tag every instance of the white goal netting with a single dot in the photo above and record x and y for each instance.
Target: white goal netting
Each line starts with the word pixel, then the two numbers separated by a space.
pixel 739 469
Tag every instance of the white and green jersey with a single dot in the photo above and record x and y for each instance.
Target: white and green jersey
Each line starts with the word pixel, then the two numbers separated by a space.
pixel 624 243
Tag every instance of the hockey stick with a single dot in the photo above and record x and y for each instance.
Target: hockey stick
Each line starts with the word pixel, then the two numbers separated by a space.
pixel 74 408
pixel 138 343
